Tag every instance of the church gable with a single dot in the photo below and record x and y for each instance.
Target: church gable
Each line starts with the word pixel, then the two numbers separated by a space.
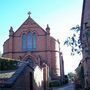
pixel 30 25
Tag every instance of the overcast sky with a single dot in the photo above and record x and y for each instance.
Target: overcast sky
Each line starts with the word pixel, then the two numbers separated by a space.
pixel 61 15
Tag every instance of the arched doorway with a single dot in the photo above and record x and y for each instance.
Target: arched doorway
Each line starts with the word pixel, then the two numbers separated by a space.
pixel 30 61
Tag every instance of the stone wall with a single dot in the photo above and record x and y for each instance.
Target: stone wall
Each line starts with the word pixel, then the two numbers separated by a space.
pixel 85 39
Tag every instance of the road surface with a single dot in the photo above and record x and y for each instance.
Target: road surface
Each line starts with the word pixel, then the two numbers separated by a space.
pixel 67 87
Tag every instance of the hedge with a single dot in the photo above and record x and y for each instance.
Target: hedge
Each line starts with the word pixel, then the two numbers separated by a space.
pixel 8 64
pixel 55 84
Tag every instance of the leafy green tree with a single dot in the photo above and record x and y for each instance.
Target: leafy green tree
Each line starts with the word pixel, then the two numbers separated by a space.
pixel 71 76
pixel 74 41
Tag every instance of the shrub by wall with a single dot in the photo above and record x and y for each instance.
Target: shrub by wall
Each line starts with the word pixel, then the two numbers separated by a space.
pixel 55 83
pixel 8 64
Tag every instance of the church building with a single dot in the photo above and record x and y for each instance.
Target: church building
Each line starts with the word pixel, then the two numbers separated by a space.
pixel 31 42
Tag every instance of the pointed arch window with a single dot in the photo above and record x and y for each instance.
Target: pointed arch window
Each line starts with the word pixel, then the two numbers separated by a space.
pixel 29 41
pixel 34 41
pixel 24 43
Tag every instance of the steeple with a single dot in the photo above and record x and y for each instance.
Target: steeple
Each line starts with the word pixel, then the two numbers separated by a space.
pixel 48 29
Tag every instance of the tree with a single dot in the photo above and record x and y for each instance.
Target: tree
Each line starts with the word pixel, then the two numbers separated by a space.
pixel 71 76
pixel 74 41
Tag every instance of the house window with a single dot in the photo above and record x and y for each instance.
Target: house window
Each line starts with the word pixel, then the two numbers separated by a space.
pixel 29 41
pixel 24 43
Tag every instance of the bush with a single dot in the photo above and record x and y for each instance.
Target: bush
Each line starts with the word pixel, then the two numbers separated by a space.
pixel 6 64
pixel 54 84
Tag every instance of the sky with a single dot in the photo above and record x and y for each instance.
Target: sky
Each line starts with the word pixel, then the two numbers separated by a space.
pixel 61 15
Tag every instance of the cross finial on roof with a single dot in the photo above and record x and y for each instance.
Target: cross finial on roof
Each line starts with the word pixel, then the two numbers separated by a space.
pixel 29 13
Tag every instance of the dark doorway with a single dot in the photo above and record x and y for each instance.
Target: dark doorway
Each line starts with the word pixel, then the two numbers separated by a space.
pixel 31 81
pixel 30 61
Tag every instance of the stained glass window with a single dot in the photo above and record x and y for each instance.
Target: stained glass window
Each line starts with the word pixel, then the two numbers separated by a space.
pixel 24 46
pixel 29 41
pixel 34 41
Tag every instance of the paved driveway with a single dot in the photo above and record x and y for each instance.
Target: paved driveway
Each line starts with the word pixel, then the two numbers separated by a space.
pixel 68 87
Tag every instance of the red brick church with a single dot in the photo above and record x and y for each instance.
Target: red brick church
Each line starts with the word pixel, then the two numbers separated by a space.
pixel 31 41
